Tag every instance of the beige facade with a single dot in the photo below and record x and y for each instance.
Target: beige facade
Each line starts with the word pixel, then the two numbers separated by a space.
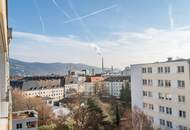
pixel 162 90
pixel 5 99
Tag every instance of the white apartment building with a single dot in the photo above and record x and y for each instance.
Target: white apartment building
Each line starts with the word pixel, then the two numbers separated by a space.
pixel 73 89
pixel 162 91
pixel 114 85
pixel 25 120
pixel 56 93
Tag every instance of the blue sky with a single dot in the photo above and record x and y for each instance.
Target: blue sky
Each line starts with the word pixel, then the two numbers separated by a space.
pixel 82 31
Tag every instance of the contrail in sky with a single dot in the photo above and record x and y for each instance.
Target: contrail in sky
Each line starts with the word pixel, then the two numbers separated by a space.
pixel 89 33
pixel 61 9
pixel 40 17
pixel 91 14
pixel 170 14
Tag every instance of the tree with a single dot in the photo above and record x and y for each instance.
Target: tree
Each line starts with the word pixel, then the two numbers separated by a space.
pixel 90 116
pixel 125 94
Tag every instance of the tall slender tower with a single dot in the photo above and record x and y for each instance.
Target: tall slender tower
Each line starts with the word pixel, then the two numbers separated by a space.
pixel 102 65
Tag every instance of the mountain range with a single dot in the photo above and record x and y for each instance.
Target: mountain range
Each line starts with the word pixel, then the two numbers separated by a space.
pixel 22 68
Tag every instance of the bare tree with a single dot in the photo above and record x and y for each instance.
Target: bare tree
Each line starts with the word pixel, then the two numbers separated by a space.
pixel 140 121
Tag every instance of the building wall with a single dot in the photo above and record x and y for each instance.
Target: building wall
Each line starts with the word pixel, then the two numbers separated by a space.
pixel 173 91
pixel 24 125
pixel 114 87
pixel 4 69
pixel 54 93
pixel 136 86
pixel 89 88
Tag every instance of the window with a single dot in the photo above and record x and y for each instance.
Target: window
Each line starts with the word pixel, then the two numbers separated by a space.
pixel 31 124
pixel 181 83
pixel 150 94
pixel 162 122
pixel 167 83
pixel 169 124
pixel 19 126
pixel 182 114
pixel 160 83
pixel 145 105
pixel 149 69
pixel 169 110
pixel 168 96
pixel 160 69
pixel 151 118
pixel 145 93
pixel 149 82
pixel 180 69
pixel 181 98
pixel 181 127
pixel 144 82
pixel 160 96
pixel 161 109
pixel 143 70
pixel 151 106
pixel 167 69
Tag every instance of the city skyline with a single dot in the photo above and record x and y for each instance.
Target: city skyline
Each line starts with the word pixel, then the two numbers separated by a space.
pixel 123 32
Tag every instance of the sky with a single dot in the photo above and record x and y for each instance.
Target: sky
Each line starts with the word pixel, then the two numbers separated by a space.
pixel 124 32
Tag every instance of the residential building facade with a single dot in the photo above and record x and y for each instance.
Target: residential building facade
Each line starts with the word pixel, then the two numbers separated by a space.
pixel 89 88
pixel 56 93
pixel 114 84
pixel 161 91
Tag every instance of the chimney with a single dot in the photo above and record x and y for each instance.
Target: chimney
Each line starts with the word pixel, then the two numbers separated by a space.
pixel 169 58
pixel 102 65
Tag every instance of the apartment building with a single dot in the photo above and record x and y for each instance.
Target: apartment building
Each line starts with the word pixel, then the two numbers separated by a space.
pixel 25 120
pixel 56 93
pixel 5 95
pixel 114 84
pixel 161 90
pixel 89 88
pixel 73 89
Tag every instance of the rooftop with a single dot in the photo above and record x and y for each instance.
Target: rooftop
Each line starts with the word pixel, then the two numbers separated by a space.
pixel 117 78
pixel 20 115
pixel 167 61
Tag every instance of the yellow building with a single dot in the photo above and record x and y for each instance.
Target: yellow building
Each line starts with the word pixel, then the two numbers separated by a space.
pixel 5 96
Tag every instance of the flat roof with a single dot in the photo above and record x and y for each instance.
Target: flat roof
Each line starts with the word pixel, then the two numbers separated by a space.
pixel 20 115
pixel 168 61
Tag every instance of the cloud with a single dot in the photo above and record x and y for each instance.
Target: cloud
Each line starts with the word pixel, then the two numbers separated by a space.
pixel 91 14
pixel 187 27
pixel 124 48
pixel 57 41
